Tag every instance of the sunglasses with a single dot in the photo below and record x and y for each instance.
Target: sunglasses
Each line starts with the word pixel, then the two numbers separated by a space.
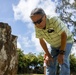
pixel 38 21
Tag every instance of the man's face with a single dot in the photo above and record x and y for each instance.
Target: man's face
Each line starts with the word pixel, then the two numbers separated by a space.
pixel 39 21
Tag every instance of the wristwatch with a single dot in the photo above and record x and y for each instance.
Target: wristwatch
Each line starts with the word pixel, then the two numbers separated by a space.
pixel 62 52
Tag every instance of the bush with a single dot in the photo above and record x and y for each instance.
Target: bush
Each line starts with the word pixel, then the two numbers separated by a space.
pixel 73 63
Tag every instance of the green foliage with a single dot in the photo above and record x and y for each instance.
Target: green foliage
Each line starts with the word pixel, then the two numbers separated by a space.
pixel 21 58
pixel 22 63
pixel 27 63
pixel 40 59
pixel 31 59
pixel 36 61
pixel 63 8
pixel 73 63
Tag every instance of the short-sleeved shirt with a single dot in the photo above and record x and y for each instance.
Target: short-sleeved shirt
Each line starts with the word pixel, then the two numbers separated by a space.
pixel 56 26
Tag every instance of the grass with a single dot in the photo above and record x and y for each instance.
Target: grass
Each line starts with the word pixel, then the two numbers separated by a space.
pixel 30 74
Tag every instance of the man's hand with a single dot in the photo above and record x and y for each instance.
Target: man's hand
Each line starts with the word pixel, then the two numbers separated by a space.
pixel 48 60
pixel 60 58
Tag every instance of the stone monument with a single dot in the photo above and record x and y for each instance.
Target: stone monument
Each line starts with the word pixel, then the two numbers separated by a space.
pixel 8 51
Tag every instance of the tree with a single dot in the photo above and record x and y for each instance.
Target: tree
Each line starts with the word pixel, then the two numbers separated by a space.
pixel 21 61
pixel 40 63
pixel 31 63
pixel 32 59
pixel 67 12
pixel 40 58
pixel 73 63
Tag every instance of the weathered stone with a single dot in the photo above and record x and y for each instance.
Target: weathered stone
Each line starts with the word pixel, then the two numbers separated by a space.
pixel 8 51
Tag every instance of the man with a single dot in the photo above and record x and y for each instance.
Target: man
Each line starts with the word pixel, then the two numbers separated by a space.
pixel 56 33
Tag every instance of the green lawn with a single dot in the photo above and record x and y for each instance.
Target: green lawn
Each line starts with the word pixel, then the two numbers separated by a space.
pixel 30 74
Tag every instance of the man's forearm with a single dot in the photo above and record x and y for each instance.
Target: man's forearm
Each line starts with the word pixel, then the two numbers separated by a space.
pixel 44 46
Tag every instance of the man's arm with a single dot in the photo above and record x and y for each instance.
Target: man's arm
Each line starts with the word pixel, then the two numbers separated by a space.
pixel 63 45
pixel 63 40
pixel 44 46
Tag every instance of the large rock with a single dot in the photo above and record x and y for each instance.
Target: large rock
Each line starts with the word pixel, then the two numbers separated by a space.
pixel 8 51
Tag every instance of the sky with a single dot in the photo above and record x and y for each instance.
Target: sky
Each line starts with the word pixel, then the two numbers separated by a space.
pixel 17 14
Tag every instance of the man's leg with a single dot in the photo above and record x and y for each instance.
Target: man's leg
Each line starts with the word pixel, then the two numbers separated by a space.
pixel 65 67
pixel 44 70
pixel 51 69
